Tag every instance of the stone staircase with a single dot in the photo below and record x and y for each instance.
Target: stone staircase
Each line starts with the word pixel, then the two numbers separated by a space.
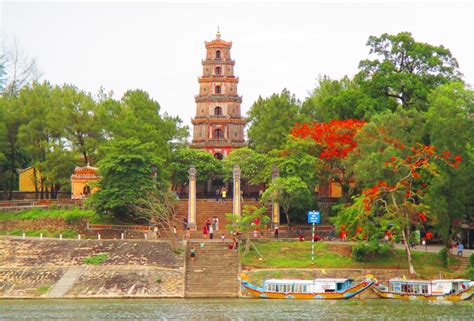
pixel 214 271
pixel 66 282
pixel 209 208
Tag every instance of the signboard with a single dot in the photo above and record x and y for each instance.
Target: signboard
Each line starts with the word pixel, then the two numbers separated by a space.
pixel 314 217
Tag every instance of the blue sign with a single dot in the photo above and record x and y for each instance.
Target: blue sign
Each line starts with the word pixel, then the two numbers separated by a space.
pixel 314 217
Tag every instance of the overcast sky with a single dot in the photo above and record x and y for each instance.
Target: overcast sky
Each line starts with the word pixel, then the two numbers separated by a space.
pixel 158 46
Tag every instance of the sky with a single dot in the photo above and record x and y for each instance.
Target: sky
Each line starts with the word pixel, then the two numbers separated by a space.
pixel 158 46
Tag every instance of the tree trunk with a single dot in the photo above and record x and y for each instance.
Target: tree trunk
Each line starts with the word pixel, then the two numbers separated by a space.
pixel 12 165
pixel 407 249
pixel 247 243
pixel 35 175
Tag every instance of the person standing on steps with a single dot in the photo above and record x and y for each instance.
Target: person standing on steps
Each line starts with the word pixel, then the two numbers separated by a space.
pixel 211 232
pixel 193 254
pixel 187 235
pixel 218 193
pixel 276 231
pixel 201 245
pixel 204 231
pixel 224 194
pixel 460 249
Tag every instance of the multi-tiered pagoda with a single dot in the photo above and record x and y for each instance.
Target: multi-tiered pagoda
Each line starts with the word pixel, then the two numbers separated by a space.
pixel 218 125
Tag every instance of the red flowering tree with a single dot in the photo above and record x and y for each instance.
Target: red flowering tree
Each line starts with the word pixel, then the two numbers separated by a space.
pixel 336 140
pixel 400 198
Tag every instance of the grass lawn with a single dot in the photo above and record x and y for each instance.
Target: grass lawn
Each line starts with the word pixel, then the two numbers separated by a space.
pixel 70 215
pixel 289 254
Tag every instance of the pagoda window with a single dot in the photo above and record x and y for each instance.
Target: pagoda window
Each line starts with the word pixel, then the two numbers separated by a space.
pixel 218 111
pixel 218 54
pixel 218 134
pixel 218 71
pixel 218 89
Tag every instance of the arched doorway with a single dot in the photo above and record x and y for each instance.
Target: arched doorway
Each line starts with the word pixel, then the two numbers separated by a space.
pixel 219 156
pixel 218 111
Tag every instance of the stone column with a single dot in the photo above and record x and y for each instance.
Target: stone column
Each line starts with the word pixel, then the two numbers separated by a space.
pixel 236 197
pixel 275 204
pixel 192 199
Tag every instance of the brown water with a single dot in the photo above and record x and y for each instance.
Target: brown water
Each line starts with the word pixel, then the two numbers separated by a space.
pixel 233 309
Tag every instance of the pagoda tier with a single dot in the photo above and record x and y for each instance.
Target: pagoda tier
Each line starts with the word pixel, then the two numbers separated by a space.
pixel 218 126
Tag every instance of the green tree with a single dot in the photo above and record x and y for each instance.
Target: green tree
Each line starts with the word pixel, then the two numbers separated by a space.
pixel 41 132
pixel 14 156
pixel 405 70
pixel 126 176
pixel 206 165
pixel 252 165
pixel 451 127
pixel 252 218
pixel 338 99
pixel 271 120
pixel 291 193
pixel 82 128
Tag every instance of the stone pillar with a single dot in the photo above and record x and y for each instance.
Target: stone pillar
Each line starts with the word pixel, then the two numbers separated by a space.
pixel 236 197
pixel 192 199
pixel 275 204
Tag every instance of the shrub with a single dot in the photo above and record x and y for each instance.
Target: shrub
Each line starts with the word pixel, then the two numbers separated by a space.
pixel 96 259
pixel 471 261
pixel 443 256
pixel 368 250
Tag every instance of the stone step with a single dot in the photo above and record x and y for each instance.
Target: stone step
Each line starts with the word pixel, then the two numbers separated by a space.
pixel 66 282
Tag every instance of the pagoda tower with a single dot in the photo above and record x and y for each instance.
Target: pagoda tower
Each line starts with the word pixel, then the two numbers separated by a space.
pixel 218 126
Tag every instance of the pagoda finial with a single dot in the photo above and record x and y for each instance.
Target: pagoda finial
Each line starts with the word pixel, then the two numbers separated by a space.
pixel 218 34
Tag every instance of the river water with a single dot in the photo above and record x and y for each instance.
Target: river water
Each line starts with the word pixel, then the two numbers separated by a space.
pixel 233 309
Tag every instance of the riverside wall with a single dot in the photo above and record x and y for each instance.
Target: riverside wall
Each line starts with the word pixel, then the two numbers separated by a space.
pixel 33 268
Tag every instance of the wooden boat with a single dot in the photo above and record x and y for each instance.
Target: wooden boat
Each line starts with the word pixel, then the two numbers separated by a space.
pixel 319 289
pixel 433 290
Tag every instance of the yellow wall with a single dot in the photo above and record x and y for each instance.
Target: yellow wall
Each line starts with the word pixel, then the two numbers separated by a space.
pixel 27 180
pixel 77 188
pixel 336 190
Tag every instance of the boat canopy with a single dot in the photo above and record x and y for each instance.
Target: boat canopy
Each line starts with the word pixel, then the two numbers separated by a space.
pixel 428 287
pixel 307 286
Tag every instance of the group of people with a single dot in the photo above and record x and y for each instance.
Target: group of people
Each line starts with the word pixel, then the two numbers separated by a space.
pixel 211 227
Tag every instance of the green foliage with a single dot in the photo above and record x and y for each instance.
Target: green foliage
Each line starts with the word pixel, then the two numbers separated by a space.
pixel 450 127
pixel 206 166
pixel 126 175
pixel 471 260
pixel 338 99
pixel 405 70
pixel 70 215
pixel 253 165
pixel 443 256
pixel 42 290
pixel 97 259
pixel 291 193
pixel 246 222
pixel 364 251
pixel 271 120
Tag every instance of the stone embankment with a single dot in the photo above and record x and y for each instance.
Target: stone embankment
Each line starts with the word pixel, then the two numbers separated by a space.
pixel 56 268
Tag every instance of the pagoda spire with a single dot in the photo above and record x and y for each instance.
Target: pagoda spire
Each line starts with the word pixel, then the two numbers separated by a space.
pixel 218 126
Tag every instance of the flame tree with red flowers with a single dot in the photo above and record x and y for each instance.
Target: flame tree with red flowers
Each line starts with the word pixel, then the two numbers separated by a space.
pixel 400 198
pixel 336 141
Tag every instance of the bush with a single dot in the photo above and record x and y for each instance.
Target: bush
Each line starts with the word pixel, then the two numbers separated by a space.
pixel 363 251
pixel 95 259
pixel 443 256
pixel 471 261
